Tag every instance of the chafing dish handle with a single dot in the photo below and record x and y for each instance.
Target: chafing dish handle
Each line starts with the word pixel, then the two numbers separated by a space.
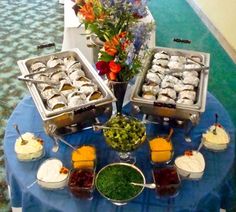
pixel 163 104
pixel 84 109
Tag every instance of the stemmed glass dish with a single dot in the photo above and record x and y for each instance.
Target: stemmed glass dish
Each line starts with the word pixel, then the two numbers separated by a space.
pixel 124 135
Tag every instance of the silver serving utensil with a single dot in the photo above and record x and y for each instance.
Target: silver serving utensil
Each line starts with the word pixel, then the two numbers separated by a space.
pixel 64 141
pixel 150 185
pixel 38 81
pixel 23 141
pixel 200 146
pixel 55 147
pixel 29 186
pixel 45 70
pixel 176 70
pixel 100 127
pixel 170 134
pixel 190 58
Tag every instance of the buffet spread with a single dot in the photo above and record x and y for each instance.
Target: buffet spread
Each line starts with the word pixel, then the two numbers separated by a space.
pixel 67 90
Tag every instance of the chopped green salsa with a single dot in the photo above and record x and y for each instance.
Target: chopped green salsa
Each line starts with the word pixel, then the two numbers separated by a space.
pixel 114 182
pixel 129 137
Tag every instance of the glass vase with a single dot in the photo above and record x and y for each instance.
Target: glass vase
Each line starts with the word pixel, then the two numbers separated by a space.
pixel 119 90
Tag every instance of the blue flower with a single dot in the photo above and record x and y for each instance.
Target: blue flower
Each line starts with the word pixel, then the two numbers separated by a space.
pixel 141 36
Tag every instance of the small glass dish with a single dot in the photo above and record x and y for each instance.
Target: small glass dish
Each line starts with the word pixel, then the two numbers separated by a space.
pixel 161 151
pixel 84 157
pixel 213 140
pixel 161 156
pixel 191 165
pixel 81 182
pixel 31 151
pixel 167 181
pixel 52 174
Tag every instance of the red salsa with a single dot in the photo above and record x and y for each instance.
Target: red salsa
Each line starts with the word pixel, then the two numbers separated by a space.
pixel 167 181
pixel 81 182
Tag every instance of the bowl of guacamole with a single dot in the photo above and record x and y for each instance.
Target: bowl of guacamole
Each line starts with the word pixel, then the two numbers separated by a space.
pixel 113 182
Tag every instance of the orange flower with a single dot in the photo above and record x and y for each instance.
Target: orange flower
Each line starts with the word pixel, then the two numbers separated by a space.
pixel 87 12
pixel 111 76
pixel 110 48
pixel 114 67
pixel 111 45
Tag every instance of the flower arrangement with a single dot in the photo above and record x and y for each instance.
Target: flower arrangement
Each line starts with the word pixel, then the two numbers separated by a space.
pixel 117 24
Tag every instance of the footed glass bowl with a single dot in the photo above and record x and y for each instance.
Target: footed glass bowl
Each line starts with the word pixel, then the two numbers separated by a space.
pixel 125 133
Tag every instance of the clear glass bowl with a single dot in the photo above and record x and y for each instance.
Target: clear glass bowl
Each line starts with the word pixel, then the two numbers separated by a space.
pixel 216 147
pixel 81 182
pixel 83 160
pixel 167 181
pixel 31 156
pixel 51 185
pixel 125 134
pixel 161 154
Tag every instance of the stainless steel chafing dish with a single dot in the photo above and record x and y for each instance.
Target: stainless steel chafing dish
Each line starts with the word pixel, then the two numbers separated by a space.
pixel 67 114
pixel 176 111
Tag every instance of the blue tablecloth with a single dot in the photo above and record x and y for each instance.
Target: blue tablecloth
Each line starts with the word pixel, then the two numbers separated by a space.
pixel 210 193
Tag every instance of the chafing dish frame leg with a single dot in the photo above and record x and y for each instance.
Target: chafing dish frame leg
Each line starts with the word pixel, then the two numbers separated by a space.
pixel 189 126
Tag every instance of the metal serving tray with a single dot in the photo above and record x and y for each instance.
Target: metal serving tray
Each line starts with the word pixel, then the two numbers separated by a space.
pixel 69 115
pixel 179 111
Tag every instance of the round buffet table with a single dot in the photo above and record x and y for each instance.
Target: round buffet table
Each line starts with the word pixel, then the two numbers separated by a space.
pixel 210 193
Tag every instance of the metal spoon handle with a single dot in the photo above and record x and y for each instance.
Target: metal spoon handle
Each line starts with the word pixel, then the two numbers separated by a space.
pixel 65 142
pixel 200 146
pixel 151 185
pixel 38 81
pixel 176 70
pixel 170 134
pixel 99 127
pixel 23 141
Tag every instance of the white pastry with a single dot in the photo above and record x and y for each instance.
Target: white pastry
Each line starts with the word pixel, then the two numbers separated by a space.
pixel 37 65
pixel 159 69
pixel 190 74
pixel 185 101
pixel 187 95
pixel 168 92
pixel 149 96
pixel 154 89
pixel 54 61
pixel 152 77
pixel 179 59
pixel 161 62
pixel 175 65
pixel 191 165
pixel 165 99
pixel 191 81
pixel 192 66
pixel 161 55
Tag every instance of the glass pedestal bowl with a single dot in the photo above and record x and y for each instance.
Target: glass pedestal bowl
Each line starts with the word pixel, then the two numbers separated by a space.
pixel 124 134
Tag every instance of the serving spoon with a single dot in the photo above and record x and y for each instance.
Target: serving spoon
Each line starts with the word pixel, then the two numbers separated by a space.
pixel 97 127
pixel 146 185
pixel 23 141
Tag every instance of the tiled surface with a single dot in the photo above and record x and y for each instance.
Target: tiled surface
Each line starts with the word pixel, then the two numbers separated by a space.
pixel 24 24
